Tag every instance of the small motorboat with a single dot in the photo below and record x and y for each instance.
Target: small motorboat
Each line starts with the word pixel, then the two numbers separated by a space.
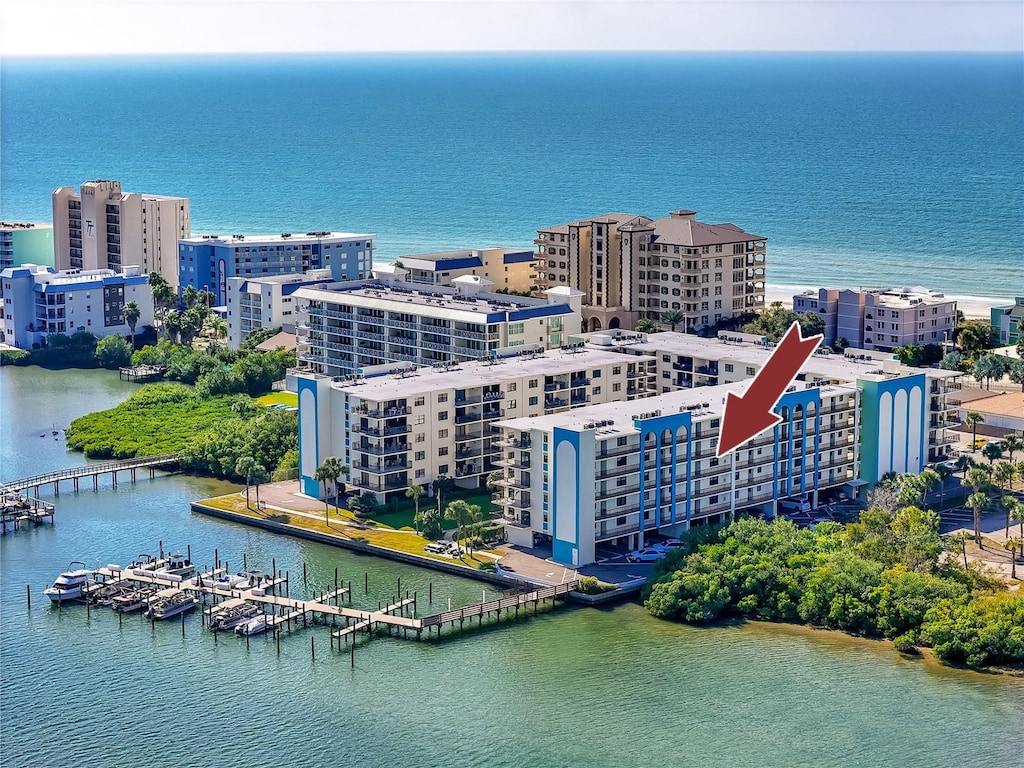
pixel 178 565
pixel 145 562
pixel 169 607
pixel 73 584
pixel 254 626
pixel 132 600
pixel 229 581
pixel 229 618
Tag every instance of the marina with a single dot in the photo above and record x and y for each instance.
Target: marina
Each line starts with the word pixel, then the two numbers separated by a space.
pixel 251 602
pixel 17 508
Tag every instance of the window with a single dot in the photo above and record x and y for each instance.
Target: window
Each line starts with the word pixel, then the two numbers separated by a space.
pixel 421 437
pixel 420 455
pixel 750 370
pixel 419 401
pixel 533 400
pixel 511 387
pixel 511 403
pixel 442 451
pixel 419 419
pixel 597 390
pixel 532 384
pixel 617 370
pixel 442 434
pixel 728 367
pixel 443 397
pixel 421 473
pixel 442 469
pixel 442 415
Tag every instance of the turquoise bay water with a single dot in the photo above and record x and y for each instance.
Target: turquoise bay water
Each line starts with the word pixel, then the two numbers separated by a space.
pixel 869 170
pixel 578 687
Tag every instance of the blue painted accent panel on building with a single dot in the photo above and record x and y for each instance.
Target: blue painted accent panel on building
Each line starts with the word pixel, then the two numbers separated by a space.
pixel 518 257
pixel 464 263
pixel 562 550
pixel 874 422
pixel 783 485
pixel 656 425
pixel 530 313
pixel 310 486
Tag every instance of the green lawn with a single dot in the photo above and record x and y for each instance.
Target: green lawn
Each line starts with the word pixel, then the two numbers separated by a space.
pixel 404 509
pixel 279 398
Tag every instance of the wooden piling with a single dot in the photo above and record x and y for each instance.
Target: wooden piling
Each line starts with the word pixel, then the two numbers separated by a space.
pixel 188 552
pixel 161 545
pixel 28 595
pixel 183 625
pixel 303 574
pixel 245 563
pixel 216 559
pixel 352 653
pixel 366 583
pixel 430 594
pixel 277 634
pixel 273 567
pixel 312 647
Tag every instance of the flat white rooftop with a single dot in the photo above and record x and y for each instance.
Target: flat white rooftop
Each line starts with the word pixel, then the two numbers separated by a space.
pixel 748 354
pixel 281 239
pixel 482 373
pixel 617 419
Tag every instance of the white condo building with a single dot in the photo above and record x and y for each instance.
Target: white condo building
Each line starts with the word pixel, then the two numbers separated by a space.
pixel 254 303
pixel 103 227
pixel 38 301
pixel 350 326
pixel 401 425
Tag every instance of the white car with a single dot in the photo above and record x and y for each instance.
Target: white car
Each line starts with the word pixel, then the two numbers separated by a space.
pixel 649 555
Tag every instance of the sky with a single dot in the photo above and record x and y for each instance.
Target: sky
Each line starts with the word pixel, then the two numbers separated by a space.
pixel 106 27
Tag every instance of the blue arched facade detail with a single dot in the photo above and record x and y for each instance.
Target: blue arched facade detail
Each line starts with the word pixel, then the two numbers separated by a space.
pixel 656 427
pixel 792 407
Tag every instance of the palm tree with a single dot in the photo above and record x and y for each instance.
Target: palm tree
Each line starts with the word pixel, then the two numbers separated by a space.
pixel 259 475
pixel 242 406
pixel 442 484
pixel 322 474
pixel 414 492
pixel 963 463
pixel 1011 444
pixel 218 326
pixel 973 336
pixel 131 316
pixel 925 482
pixel 1003 474
pixel 646 325
pixel 190 296
pixel 243 468
pixel 1009 504
pixel 1017 515
pixel 972 420
pixel 173 322
pixel 977 502
pixel 991 451
pixel 462 513
pixel 1011 546
pixel 337 468
pixel 672 317
pixel 206 298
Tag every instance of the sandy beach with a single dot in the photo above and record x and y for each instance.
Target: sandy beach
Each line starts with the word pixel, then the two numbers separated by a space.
pixel 973 307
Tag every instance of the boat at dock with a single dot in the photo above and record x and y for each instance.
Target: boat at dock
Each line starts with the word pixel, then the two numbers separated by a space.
pixel 177 565
pixel 132 600
pixel 73 584
pixel 145 562
pixel 231 617
pixel 257 625
pixel 171 606
pixel 104 594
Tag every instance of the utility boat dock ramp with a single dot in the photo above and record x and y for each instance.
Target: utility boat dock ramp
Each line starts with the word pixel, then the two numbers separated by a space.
pixel 16 508
pixel 142 372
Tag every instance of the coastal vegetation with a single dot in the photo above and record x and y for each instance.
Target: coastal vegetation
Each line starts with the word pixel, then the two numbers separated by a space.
pixel 776 320
pixel 887 575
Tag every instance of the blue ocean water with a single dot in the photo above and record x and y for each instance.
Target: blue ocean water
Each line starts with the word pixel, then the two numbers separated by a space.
pixel 861 170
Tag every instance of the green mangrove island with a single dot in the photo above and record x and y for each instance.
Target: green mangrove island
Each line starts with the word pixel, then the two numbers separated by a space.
pixel 886 576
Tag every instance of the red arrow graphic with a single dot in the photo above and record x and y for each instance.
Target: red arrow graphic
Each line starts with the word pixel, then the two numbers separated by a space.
pixel 750 414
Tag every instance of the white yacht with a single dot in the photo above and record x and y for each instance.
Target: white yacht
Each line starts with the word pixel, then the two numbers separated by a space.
pixel 73 584
pixel 172 606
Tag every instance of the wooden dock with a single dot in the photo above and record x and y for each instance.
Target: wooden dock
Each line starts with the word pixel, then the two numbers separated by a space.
pixel 17 508
pixel 74 474
pixel 140 373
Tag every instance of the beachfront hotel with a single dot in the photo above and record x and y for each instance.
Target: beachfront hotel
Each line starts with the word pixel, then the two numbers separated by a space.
pixel 25 244
pixel 103 227
pixel 632 267
pixel 207 262
pixel 254 303
pixel 345 327
pixel 38 301
pixel 881 319
pixel 398 425
pixel 843 427
pixel 510 269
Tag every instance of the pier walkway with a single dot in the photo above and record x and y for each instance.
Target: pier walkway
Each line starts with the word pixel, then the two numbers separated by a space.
pixel 74 474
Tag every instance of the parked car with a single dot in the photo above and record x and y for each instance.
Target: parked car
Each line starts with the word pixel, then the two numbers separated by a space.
pixel 437 548
pixel 795 505
pixel 648 555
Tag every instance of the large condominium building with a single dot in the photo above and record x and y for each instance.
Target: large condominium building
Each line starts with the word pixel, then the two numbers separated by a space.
pixel 631 267
pixel 25 244
pixel 686 361
pixel 102 227
pixel 349 326
pixel 254 303
pixel 38 301
pixel 616 471
pixel 882 319
pixel 509 269
pixel 206 262
pixel 400 426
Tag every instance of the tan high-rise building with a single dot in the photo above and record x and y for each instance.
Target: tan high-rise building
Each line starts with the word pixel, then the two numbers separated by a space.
pixel 102 227
pixel 631 267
